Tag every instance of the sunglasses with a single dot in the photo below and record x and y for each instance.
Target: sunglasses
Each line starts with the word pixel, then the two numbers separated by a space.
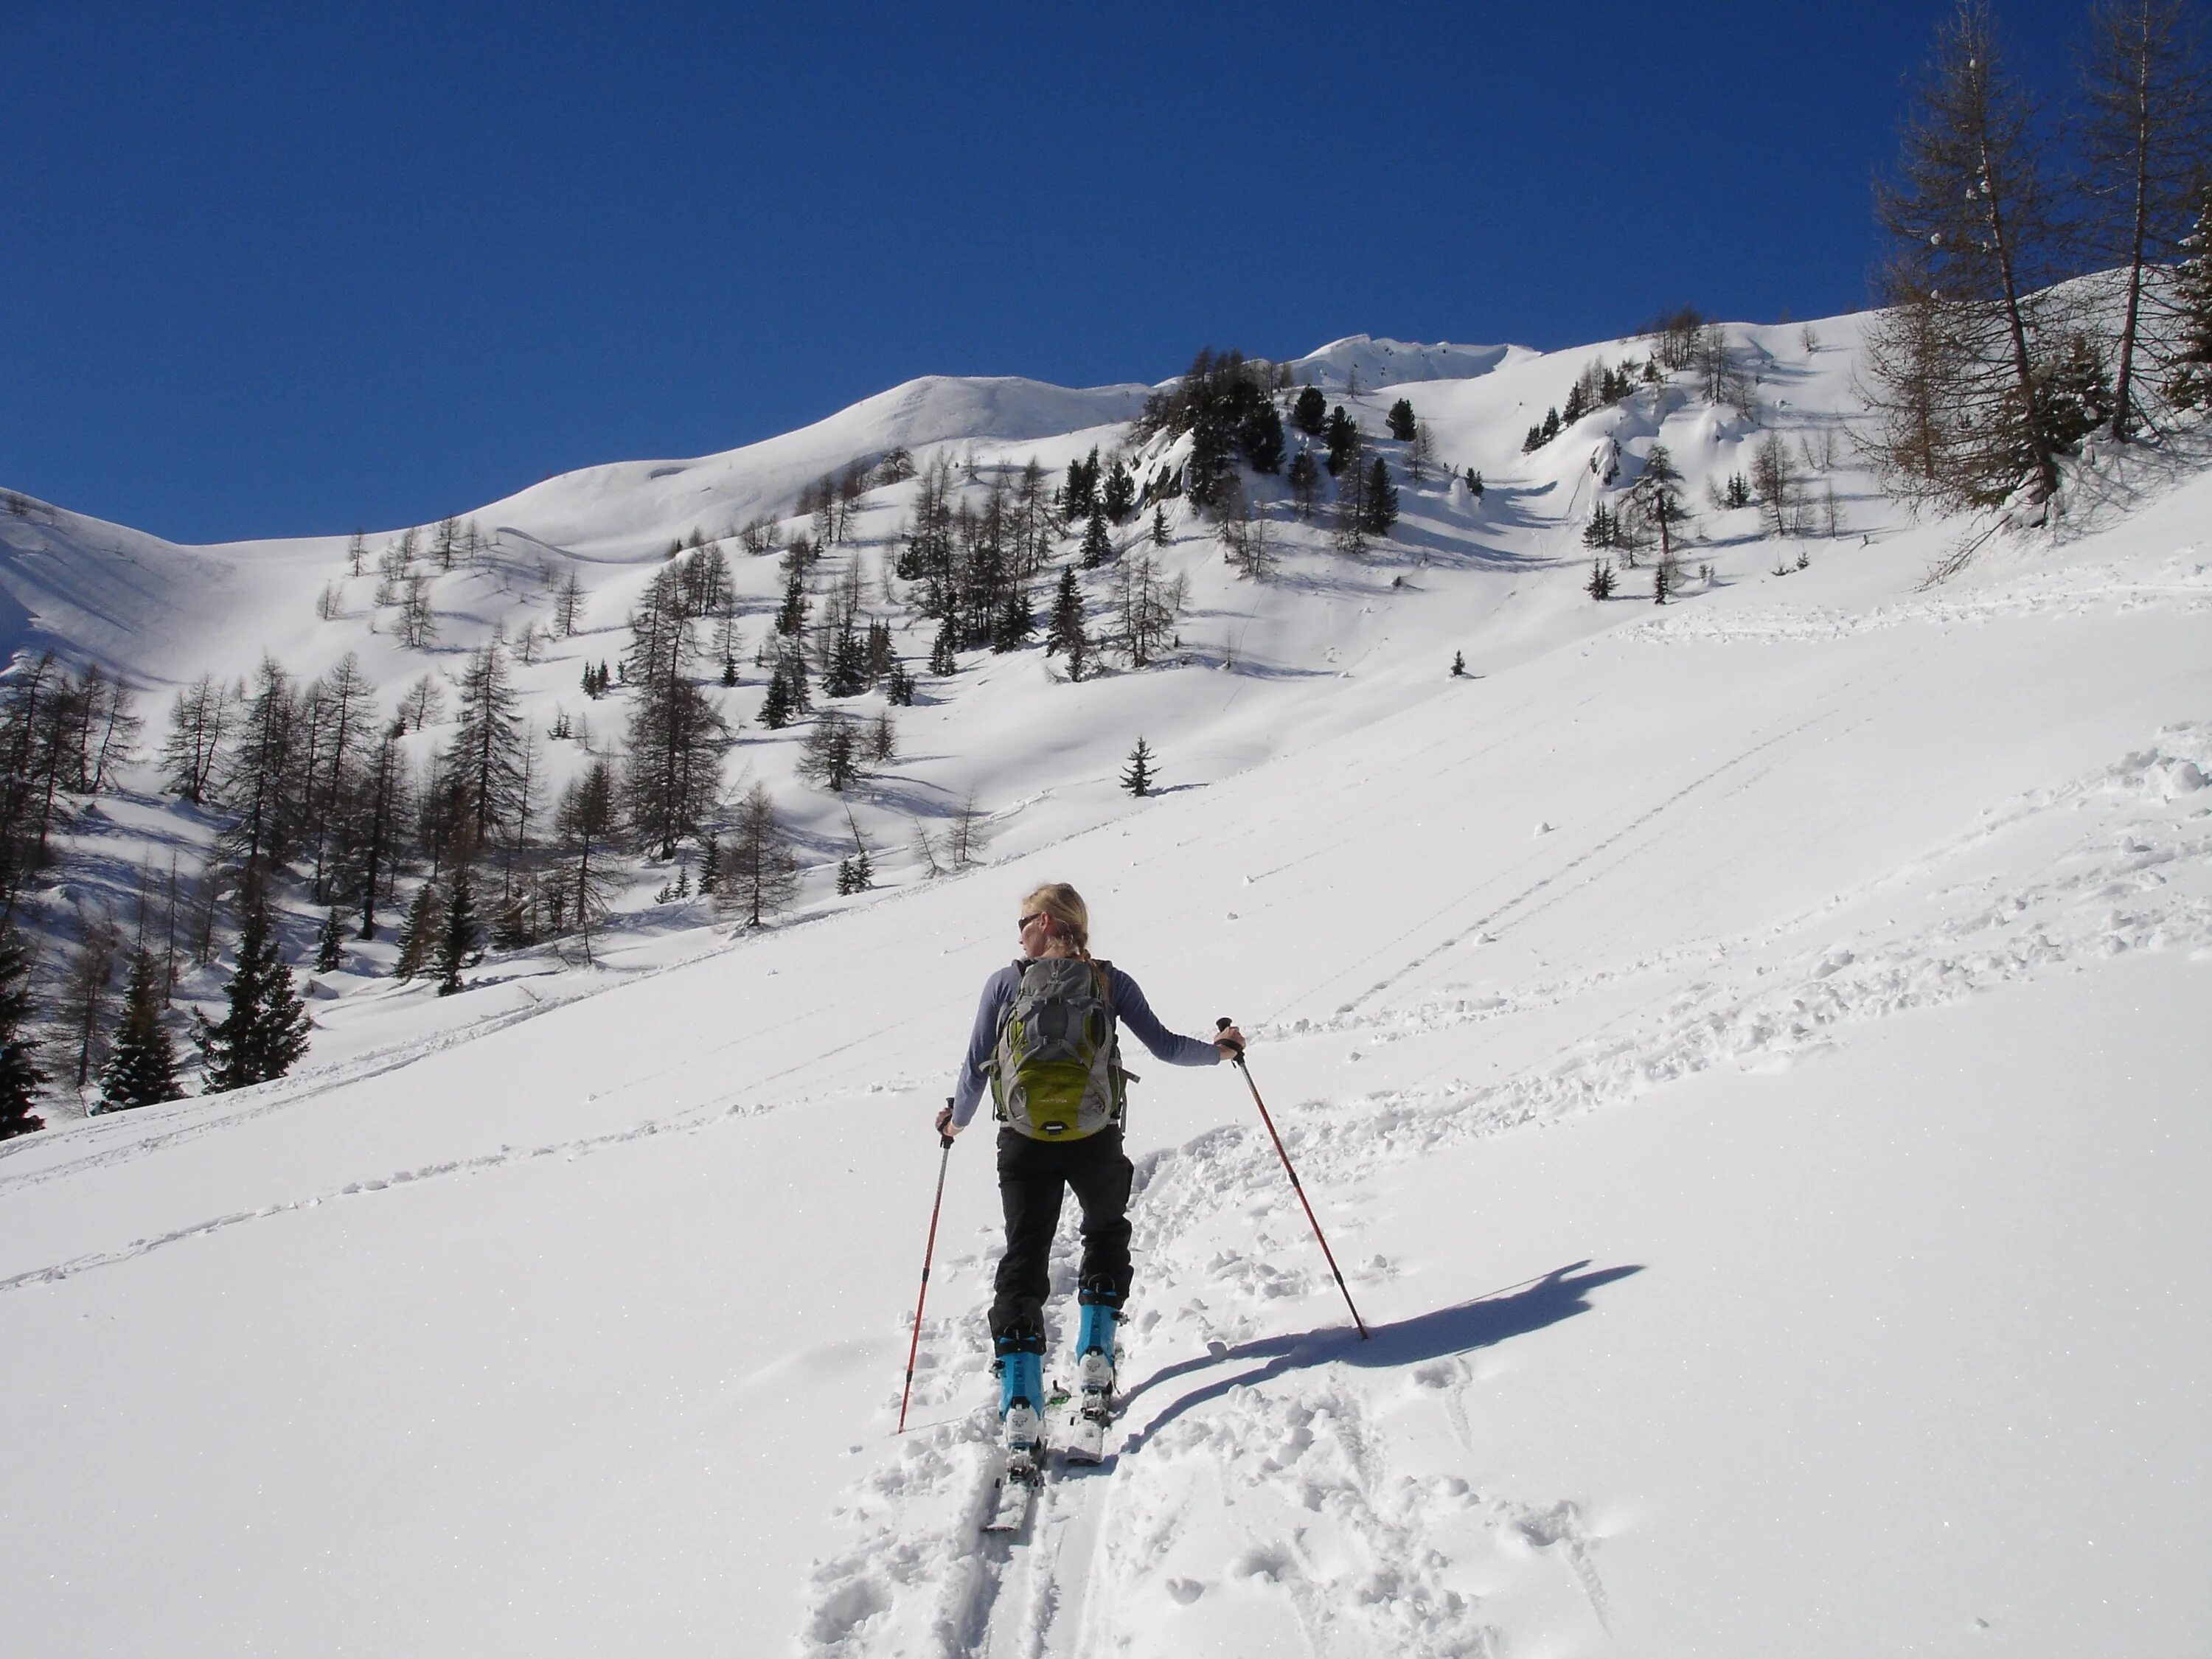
pixel 1023 926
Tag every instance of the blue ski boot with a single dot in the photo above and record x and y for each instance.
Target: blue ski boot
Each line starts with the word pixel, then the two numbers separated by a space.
pixel 1020 1366
pixel 1094 1349
pixel 1094 1383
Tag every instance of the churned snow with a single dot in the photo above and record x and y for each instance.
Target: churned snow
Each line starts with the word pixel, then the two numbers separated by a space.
pixel 1775 1190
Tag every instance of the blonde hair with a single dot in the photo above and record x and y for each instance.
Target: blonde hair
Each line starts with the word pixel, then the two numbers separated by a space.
pixel 1071 917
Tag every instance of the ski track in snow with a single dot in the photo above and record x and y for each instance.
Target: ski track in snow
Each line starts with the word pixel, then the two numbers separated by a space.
pixel 1276 1446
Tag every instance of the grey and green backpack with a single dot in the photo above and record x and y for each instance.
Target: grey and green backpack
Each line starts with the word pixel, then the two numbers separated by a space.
pixel 1056 1073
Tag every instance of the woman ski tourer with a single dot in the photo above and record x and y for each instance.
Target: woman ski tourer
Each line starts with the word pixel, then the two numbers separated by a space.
pixel 1045 1038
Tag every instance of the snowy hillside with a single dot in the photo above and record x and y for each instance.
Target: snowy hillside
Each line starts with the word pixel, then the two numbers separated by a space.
pixel 1750 1056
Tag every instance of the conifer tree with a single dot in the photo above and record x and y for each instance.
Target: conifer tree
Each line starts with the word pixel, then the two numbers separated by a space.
pixel 1159 524
pixel 2144 143
pixel 1952 366
pixel 1380 501
pixel 898 685
pixel 1309 414
pixel 1459 665
pixel 1600 585
pixel 775 708
pixel 1342 440
pixel 792 617
pixel 1305 482
pixel 761 877
pixel 1474 484
pixel 856 874
pixel 1261 437
pixel 19 1074
pixel 585 823
pixel 2189 376
pixel 418 933
pixel 1138 775
pixel 460 937
pixel 944 656
pixel 1066 624
pixel 142 1064
pixel 832 758
pixel 1097 549
pixel 1401 419
pixel 330 943
pixel 264 1028
pixel 1119 493
pixel 1015 620
pixel 1657 496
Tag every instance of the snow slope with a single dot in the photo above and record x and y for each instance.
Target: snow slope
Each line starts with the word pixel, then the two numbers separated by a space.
pixel 1750 1058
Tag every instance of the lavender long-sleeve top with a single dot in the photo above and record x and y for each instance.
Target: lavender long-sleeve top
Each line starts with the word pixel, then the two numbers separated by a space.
pixel 1129 1007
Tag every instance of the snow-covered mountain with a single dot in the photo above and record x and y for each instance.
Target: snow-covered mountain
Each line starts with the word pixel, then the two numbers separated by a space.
pixel 1749 1056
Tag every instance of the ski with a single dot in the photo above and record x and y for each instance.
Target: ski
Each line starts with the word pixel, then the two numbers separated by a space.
pixel 1095 1408
pixel 1021 1471
pixel 1087 1428
pixel 1019 1477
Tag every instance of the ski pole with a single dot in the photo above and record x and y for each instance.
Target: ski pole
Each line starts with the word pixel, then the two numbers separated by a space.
pixel 928 1250
pixel 1222 1026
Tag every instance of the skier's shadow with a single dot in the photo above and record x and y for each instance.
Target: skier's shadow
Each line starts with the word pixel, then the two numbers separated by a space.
pixel 1484 1322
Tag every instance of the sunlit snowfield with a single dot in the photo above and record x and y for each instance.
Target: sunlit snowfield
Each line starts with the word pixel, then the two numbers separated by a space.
pixel 1750 1057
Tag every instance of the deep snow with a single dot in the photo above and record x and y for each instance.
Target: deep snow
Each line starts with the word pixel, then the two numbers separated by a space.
pixel 1750 1058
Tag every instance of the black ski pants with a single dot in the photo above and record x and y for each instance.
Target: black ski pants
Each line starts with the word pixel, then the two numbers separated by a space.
pixel 1032 1176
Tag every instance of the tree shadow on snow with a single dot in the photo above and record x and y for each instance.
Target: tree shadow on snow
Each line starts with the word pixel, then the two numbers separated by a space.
pixel 1482 1323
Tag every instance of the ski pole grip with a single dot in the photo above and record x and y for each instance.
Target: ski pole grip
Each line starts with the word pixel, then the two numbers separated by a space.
pixel 1223 1024
pixel 944 1139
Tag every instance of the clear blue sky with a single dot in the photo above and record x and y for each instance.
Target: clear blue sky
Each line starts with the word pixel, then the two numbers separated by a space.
pixel 291 267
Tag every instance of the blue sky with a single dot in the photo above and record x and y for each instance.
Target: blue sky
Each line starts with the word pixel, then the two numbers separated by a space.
pixel 288 269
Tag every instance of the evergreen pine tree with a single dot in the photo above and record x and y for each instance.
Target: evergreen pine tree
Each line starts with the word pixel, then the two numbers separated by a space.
pixel 1159 524
pixel 1459 665
pixel 1066 625
pixel 142 1066
pixel 775 709
pixel 330 945
pixel 1600 585
pixel 1474 484
pixel 1661 580
pixel 460 938
pixel 264 1027
pixel 2189 377
pixel 20 1076
pixel 944 656
pixel 1119 493
pixel 1342 440
pixel 1097 549
pixel 792 617
pixel 1261 437
pixel 1401 419
pixel 848 665
pixel 710 865
pixel 1016 621
pixel 1380 504
pixel 1309 414
pixel 1139 776
pixel 898 685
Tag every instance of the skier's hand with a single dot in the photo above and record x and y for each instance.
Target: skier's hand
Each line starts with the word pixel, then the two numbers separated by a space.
pixel 945 1126
pixel 1228 1040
